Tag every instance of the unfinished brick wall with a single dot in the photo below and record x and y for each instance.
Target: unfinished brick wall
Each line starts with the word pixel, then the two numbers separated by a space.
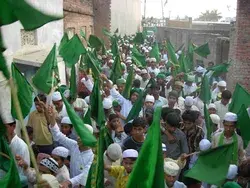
pixel 239 72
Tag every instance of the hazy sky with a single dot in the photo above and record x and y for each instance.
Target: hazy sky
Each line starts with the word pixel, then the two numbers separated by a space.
pixel 191 8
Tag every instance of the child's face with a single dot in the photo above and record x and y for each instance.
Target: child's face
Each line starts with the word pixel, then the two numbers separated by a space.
pixel 212 111
pixel 115 123
pixel 128 164
pixel 172 100
pixel 66 129
pixel 149 104
pixel 138 132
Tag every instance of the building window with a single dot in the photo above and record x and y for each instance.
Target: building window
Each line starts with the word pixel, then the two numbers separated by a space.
pixel 70 31
pixel 28 37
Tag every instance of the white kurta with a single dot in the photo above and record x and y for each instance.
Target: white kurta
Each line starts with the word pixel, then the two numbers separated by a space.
pixel 19 147
pixel 144 83
pixel 62 174
pixel 199 104
pixel 221 110
pixel 80 162
pixel 187 90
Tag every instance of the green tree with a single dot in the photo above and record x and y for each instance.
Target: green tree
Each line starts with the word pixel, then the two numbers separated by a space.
pixel 212 15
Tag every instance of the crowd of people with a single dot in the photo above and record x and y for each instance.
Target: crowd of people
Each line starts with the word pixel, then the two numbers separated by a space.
pixel 64 161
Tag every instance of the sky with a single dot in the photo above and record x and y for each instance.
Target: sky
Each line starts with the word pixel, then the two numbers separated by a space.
pixel 191 8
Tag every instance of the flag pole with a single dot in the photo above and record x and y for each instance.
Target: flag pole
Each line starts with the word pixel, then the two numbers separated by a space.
pixel 23 128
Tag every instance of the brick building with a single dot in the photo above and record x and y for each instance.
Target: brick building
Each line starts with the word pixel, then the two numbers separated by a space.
pixel 240 48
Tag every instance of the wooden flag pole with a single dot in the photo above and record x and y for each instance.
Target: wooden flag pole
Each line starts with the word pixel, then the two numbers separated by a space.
pixel 5 155
pixel 23 128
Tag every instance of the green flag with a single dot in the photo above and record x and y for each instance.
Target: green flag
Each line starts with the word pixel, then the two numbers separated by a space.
pixel 155 52
pixel 43 77
pixel 209 123
pixel 148 170
pixel 64 40
pixel 202 50
pixel 87 117
pixel 138 39
pixel 205 93
pixel 31 19
pixel 183 64
pixel 72 50
pixel 114 46
pixel 135 110
pixel 138 58
pixel 97 112
pixel 106 32
pixel 212 165
pixel 95 42
pixel 244 125
pixel 24 92
pixel 87 138
pixel 83 35
pixel 73 87
pixel 172 58
pixel 219 69
pixel 129 83
pixel 240 97
pixel 116 71
pixel 190 56
pixel 92 63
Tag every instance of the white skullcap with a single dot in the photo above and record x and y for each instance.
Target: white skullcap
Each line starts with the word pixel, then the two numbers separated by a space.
pixel 114 151
pixel 131 46
pixel 150 98
pixel 153 60
pixel 222 84
pixel 111 61
pixel 189 101
pixel 130 153
pixel 200 69
pixel 66 120
pixel 128 58
pixel 171 168
pixel 87 99
pixel 150 48
pixel 205 144
pixel 50 163
pixel 215 82
pixel 104 56
pixel 89 127
pixel 56 96
pixel 107 103
pixel 66 93
pixel 215 119
pixel 60 151
pixel 179 52
pixel 212 105
pixel 129 61
pixel 144 48
pixel 232 172
pixel 164 147
pixel 99 57
pixel 144 71
pixel 52 181
pixel 231 117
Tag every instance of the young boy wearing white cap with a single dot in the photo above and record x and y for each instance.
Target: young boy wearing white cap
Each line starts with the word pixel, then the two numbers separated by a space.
pixel 60 154
pixel 121 173
pixel 171 171
pixel 189 104
pixel 59 105
pixel 144 76
pixel 221 86
pixel 228 136
pixel 67 128
pixel 212 108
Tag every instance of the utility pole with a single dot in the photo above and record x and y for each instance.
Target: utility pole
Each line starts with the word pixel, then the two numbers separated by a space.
pixel 145 4
pixel 162 9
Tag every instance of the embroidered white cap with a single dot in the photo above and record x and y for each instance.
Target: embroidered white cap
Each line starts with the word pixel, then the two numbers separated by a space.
pixel 171 168
pixel 56 96
pixel 60 151
pixel 150 98
pixel 130 153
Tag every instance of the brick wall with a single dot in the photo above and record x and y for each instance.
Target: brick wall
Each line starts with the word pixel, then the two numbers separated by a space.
pixel 78 14
pixel 239 72
pixel 102 18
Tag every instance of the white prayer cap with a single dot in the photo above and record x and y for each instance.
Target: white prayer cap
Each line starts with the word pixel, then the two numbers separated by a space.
pixel 200 69
pixel 164 147
pixel 89 127
pixel 222 84
pixel 60 151
pixel 50 163
pixel 189 101
pixel 144 49
pixel 231 117
pixel 144 71
pixel 99 57
pixel 114 151
pixel 104 56
pixel 87 99
pixel 66 93
pixel 52 181
pixel 128 58
pixel 150 48
pixel 212 105
pixel 56 96
pixel 215 82
pixel 171 168
pixel 129 61
pixel 111 61
pixel 232 172
pixel 107 103
pixel 150 98
pixel 179 52
pixel 215 119
pixel 205 144
pixel 8 119
pixel 131 46
pixel 153 60
pixel 130 153
pixel 66 120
